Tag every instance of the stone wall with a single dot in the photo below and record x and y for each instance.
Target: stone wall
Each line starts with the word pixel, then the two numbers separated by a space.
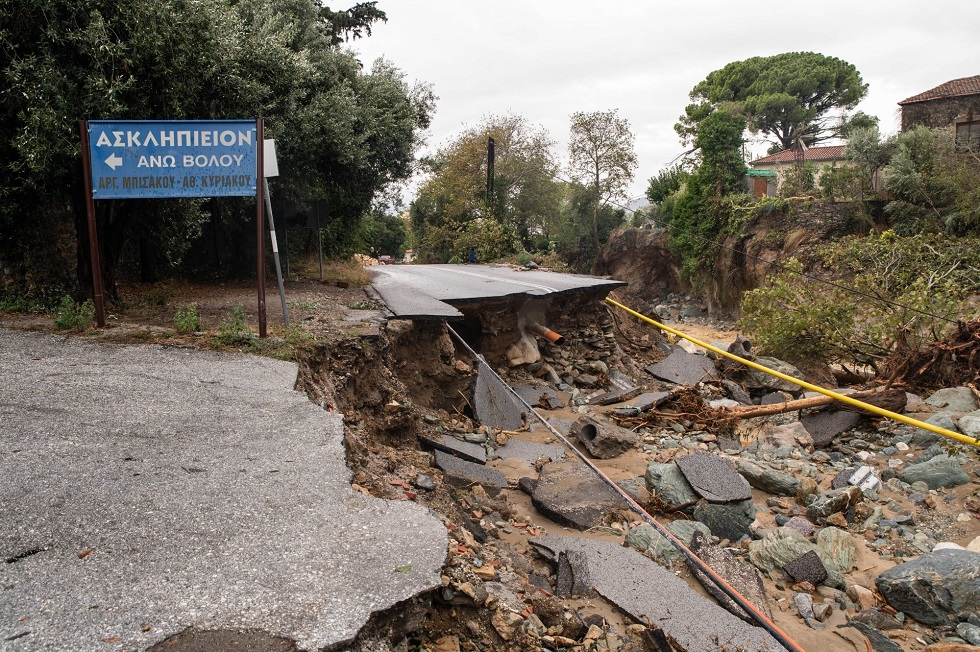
pixel 940 112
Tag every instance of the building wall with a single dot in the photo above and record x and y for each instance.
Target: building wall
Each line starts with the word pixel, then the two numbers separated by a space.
pixel 940 112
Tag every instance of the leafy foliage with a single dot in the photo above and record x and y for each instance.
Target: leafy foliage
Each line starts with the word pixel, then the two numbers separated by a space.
pixel 935 184
pixel 74 316
pixel 453 211
pixel 342 133
pixel 601 158
pixel 790 96
pixel 666 183
pixel 798 319
pixel 699 215
pixel 186 319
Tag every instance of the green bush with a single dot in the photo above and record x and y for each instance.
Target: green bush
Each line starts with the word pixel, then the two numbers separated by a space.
pixel 187 320
pixel 909 288
pixel 73 316
pixel 233 332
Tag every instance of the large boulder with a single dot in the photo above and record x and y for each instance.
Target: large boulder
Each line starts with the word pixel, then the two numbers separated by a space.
pixel 669 485
pixel 939 472
pixel 768 480
pixel 786 545
pixel 938 588
pixel 954 399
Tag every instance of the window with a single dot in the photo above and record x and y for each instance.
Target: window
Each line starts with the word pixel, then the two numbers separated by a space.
pixel 968 134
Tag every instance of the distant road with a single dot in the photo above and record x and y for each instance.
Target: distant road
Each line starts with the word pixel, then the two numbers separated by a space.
pixel 429 291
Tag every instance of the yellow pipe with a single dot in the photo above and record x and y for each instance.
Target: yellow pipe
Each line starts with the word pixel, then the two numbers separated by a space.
pixel 802 383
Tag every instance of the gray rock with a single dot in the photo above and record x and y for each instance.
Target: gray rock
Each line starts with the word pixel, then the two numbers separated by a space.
pixel 714 478
pixel 969 633
pixel 937 588
pixel 570 494
pixel 649 400
pixel 924 437
pixel 838 546
pixel 955 399
pixel 939 472
pixel 736 392
pixel 615 396
pixel 969 424
pixel 636 488
pixel 804 604
pixel 729 521
pixel 602 440
pixel 760 380
pixel 878 619
pixel 784 545
pixel 878 639
pixel 669 485
pixel 767 479
pixel 772 398
pixel 646 538
pixel 835 500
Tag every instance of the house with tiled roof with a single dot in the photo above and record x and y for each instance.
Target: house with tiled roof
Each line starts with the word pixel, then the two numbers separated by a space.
pixel 774 166
pixel 955 103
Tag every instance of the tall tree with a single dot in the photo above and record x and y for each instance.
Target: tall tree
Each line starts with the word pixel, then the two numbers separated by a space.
pixel 790 97
pixel 455 200
pixel 601 158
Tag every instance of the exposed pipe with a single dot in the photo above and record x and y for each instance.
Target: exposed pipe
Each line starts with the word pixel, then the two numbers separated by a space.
pixel 537 329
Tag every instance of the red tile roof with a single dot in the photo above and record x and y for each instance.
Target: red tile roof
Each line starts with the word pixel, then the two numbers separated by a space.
pixel 832 153
pixel 954 88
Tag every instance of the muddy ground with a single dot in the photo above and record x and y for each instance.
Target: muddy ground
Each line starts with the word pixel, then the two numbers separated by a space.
pixel 395 382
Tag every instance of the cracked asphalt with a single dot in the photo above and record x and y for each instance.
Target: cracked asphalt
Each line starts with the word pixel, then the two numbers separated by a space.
pixel 145 490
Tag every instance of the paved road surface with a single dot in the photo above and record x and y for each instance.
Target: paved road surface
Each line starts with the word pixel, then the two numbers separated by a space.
pixel 430 291
pixel 144 490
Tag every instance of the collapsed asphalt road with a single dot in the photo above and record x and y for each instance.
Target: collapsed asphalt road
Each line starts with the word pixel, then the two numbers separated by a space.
pixel 145 490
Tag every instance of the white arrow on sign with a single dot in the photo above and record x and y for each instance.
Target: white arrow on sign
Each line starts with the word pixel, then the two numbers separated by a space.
pixel 113 161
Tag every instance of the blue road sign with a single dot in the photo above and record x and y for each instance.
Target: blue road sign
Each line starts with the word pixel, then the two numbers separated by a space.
pixel 179 158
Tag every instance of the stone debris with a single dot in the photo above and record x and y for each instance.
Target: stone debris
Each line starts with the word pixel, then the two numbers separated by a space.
pixel 938 588
pixel 827 424
pixel 806 568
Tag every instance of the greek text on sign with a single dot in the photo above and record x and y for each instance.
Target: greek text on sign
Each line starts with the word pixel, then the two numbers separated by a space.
pixel 182 158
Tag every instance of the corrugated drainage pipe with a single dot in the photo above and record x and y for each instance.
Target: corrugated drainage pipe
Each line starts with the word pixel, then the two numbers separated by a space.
pixel 547 333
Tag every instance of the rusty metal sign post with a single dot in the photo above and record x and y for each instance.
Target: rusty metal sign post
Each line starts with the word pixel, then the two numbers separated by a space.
pixel 128 159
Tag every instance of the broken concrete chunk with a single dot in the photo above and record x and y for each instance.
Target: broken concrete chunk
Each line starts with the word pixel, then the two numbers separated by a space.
pixel 461 449
pixel 689 620
pixel 603 441
pixel 827 424
pixel 460 473
pixel 530 452
pixel 714 478
pixel 494 405
pixel 741 576
pixel 617 396
pixel 573 575
pixel 684 368
pixel 570 494
pixel 806 568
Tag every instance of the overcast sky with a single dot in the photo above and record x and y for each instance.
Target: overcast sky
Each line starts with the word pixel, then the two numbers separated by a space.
pixel 545 59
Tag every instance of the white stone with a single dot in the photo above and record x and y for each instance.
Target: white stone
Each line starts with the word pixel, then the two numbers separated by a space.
pixel 902 446
pixel 948 545
pixel 963 517
pixel 974 546
pixel 864 455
